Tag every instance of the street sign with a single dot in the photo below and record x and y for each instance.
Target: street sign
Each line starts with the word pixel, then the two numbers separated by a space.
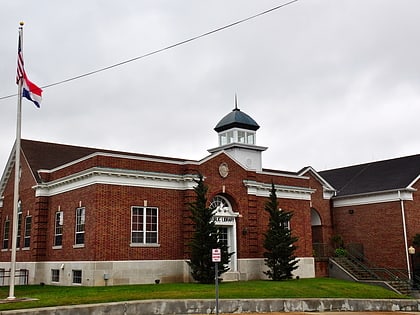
pixel 216 255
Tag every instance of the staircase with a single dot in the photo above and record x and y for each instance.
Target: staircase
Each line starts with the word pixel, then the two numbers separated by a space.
pixel 363 271
pixel 356 268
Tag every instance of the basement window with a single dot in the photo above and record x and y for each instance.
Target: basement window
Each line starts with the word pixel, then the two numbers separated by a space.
pixel 55 275
pixel 77 277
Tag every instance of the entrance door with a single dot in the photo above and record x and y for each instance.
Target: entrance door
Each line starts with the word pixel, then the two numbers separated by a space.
pixel 223 235
pixel 225 220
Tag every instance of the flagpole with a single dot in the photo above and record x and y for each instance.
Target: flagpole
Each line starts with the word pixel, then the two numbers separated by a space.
pixel 16 181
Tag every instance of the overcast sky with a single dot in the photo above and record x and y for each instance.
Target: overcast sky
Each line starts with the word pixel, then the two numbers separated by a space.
pixel 331 82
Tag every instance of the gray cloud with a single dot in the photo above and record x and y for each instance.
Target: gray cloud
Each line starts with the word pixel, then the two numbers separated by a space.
pixel 331 83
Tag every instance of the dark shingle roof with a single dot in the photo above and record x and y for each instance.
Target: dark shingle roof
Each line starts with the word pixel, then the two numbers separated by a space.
pixel 238 119
pixel 45 155
pixel 384 175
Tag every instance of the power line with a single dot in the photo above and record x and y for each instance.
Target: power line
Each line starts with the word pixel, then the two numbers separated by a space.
pixel 162 49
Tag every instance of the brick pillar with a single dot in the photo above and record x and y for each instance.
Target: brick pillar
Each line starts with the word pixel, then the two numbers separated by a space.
pixel 40 229
pixel 252 225
pixel 188 228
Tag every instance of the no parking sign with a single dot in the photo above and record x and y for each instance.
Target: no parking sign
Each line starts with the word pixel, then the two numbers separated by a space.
pixel 216 255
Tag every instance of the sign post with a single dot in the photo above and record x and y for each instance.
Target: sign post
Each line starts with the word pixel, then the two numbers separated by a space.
pixel 216 257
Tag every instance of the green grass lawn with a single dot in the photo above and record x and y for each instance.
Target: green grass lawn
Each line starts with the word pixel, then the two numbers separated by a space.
pixel 303 288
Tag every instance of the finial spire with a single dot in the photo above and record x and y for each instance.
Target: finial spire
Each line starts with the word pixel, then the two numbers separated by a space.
pixel 236 102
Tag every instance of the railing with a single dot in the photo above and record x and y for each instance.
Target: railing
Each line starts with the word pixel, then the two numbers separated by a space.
pixel 358 269
pixel 362 268
pixel 21 277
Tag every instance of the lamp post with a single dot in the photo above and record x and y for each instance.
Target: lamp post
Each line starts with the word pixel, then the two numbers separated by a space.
pixel 412 252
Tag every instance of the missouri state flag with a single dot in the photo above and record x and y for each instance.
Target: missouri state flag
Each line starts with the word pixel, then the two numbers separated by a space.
pixel 29 90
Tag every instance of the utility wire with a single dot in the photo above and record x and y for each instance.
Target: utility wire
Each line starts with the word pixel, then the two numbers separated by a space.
pixel 162 49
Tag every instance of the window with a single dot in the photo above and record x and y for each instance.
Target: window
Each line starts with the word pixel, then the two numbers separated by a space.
pixel 55 275
pixel 77 276
pixel 80 226
pixel 6 234
pixel 223 235
pixel 19 231
pixel 250 138
pixel 241 136
pixel 286 222
pixel 230 138
pixel 27 236
pixel 144 225
pixel 58 229
pixel 237 135
pixel 223 139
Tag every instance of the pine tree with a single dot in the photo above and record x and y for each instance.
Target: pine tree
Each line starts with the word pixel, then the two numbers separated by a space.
pixel 205 238
pixel 279 242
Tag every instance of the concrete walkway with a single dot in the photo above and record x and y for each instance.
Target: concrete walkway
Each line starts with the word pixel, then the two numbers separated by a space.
pixel 181 307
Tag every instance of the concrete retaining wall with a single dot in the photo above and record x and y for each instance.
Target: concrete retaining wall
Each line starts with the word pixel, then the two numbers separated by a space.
pixel 100 273
pixel 159 307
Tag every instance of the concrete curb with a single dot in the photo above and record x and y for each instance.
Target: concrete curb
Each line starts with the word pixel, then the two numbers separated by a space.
pixel 166 307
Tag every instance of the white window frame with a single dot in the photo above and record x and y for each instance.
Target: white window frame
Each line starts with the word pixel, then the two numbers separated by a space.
pixel 237 135
pixel 148 228
pixel 27 232
pixel 288 222
pixel 76 277
pixel 79 229
pixel 58 228
pixel 6 234
pixel 55 275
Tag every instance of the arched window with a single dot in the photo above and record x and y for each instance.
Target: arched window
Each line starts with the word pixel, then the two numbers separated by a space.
pixel 315 218
pixel 221 205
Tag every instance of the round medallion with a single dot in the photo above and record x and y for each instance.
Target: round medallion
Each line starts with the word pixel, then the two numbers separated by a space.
pixel 223 170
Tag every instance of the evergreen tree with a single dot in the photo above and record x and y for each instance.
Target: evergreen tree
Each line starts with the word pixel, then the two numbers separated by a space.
pixel 205 238
pixel 279 242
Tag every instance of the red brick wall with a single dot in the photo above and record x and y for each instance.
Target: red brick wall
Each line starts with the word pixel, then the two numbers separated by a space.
pixel 253 218
pixel 378 227
pixel 108 223
pixel 412 215
pixel 29 208
pixel 108 213
pixel 322 207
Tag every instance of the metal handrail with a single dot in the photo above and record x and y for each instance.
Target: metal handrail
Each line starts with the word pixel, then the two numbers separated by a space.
pixel 381 273
pixel 389 273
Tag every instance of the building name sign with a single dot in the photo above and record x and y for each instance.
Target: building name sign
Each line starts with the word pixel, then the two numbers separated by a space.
pixel 220 219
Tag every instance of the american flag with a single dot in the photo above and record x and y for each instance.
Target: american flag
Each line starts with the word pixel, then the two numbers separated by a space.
pixel 29 90
pixel 20 69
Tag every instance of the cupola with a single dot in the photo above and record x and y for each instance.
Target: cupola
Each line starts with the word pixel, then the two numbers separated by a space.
pixel 237 127
pixel 237 137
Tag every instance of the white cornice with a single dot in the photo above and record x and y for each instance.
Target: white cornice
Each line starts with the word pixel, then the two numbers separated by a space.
pixel 120 177
pixel 7 171
pixel 121 156
pixel 376 197
pixel 282 191
pixel 279 173
pixel 414 181
pixel 327 193
pixel 228 146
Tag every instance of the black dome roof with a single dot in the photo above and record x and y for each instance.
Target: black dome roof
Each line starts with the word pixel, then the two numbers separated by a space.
pixel 238 119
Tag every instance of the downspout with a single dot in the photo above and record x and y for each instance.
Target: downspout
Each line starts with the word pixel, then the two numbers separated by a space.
pixel 405 235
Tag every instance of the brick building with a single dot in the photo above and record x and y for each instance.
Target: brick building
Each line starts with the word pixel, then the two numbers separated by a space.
pixel 93 217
